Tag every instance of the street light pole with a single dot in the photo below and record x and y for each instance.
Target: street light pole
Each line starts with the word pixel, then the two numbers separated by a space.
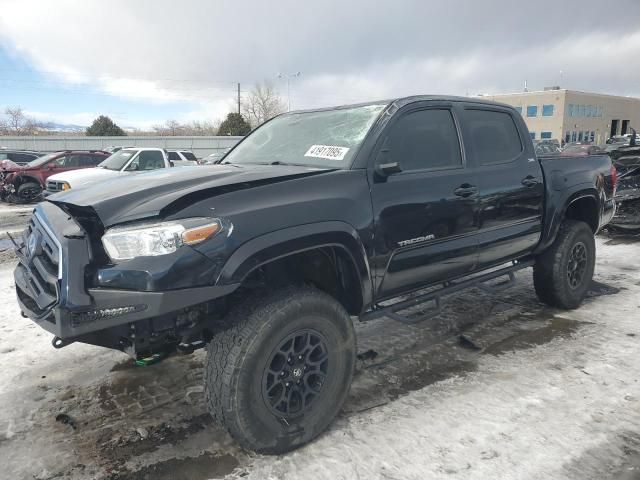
pixel 288 76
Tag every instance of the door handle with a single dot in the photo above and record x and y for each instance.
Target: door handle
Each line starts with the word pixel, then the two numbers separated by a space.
pixel 466 190
pixel 530 181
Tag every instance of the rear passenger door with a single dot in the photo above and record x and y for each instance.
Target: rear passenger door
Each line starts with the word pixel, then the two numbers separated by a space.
pixel 425 214
pixel 511 186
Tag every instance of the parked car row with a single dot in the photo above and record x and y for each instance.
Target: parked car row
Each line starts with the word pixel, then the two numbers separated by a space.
pixel 27 176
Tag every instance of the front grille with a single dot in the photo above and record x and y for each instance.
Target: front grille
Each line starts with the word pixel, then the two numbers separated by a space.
pixel 41 258
pixel 54 186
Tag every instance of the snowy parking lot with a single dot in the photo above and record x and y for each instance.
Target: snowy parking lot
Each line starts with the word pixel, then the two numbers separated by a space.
pixel 497 386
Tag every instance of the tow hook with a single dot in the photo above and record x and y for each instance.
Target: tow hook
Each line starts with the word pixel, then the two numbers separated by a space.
pixel 58 342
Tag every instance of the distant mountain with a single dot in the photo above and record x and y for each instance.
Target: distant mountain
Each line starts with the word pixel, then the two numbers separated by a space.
pixel 61 127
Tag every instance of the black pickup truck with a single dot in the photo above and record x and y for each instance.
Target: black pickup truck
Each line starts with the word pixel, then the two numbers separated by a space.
pixel 371 210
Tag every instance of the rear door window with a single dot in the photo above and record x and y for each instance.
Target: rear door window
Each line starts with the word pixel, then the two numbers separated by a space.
pixel 494 137
pixel 174 156
pixel 73 161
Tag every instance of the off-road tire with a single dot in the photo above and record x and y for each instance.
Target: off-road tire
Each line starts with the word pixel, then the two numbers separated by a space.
pixel 551 269
pixel 238 358
pixel 20 194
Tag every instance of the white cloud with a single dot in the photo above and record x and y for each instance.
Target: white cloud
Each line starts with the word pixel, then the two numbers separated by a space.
pixel 191 53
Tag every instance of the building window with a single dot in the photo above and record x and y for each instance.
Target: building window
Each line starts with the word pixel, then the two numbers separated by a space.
pixel 532 111
pixel 573 136
pixel 592 136
pixel 533 135
pixel 570 110
pixel 547 110
pixel 580 135
pixel 567 137
pixel 545 135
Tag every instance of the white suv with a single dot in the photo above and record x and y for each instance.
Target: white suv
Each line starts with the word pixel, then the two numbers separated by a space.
pixel 182 157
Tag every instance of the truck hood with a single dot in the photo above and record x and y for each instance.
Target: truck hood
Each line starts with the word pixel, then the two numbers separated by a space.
pixel 166 191
pixel 84 176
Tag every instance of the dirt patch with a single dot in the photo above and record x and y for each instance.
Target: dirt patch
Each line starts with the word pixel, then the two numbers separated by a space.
pixel 557 328
pixel 116 449
pixel 429 374
pixel 623 239
pixel 204 467
pixel 597 289
pixel 128 364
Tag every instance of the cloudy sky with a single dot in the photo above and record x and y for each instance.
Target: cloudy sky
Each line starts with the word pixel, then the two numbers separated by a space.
pixel 147 61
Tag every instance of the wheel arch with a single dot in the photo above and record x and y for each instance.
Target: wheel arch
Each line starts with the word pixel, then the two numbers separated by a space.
pixel 580 204
pixel 303 247
pixel 25 178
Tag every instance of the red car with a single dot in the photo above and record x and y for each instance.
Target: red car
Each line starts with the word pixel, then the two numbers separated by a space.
pixel 25 183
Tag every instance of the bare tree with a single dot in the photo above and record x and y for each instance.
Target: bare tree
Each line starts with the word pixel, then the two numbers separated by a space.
pixel 261 104
pixel 17 123
pixel 196 128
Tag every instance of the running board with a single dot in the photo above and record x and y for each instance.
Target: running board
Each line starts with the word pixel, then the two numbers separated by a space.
pixel 447 288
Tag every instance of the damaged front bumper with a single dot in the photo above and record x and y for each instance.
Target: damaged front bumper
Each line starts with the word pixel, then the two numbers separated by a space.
pixel 50 279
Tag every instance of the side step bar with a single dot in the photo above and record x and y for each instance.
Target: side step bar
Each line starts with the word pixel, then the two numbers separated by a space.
pixel 447 288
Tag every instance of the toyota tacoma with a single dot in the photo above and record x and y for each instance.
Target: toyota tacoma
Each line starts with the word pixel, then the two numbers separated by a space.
pixel 314 219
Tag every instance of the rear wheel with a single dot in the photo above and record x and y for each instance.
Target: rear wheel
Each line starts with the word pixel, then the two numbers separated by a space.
pixel 563 273
pixel 29 192
pixel 279 376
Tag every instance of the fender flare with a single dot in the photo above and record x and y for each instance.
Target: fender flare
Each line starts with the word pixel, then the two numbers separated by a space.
pixel 558 214
pixel 26 178
pixel 289 241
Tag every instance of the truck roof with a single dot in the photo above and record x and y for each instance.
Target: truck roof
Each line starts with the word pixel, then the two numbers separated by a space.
pixel 402 101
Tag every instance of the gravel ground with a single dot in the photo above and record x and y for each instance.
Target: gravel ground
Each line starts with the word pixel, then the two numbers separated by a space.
pixel 527 392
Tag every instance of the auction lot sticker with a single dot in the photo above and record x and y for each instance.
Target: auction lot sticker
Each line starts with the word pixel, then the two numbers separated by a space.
pixel 327 151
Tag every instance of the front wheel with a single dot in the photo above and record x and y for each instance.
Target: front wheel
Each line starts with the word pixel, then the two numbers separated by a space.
pixel 281 373
pixel 29 192
pixel 563 273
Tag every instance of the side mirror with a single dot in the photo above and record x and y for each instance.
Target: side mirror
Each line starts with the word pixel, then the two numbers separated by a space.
pixel 385 165
pixel 386 169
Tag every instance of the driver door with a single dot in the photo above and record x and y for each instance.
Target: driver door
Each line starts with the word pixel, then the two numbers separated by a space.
pixel 426 213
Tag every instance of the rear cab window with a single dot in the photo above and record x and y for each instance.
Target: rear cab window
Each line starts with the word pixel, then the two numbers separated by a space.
pixel 492 135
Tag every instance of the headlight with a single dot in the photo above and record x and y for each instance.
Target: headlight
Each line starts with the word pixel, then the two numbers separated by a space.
pixel 123 243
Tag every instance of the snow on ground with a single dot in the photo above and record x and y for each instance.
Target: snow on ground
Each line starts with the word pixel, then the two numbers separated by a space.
pixel 13 219
pixel 549 394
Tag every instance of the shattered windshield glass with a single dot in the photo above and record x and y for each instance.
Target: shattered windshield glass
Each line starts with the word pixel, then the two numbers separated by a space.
pixel 325 139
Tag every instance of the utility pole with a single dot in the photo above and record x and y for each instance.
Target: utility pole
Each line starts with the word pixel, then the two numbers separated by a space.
pixel 238 98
